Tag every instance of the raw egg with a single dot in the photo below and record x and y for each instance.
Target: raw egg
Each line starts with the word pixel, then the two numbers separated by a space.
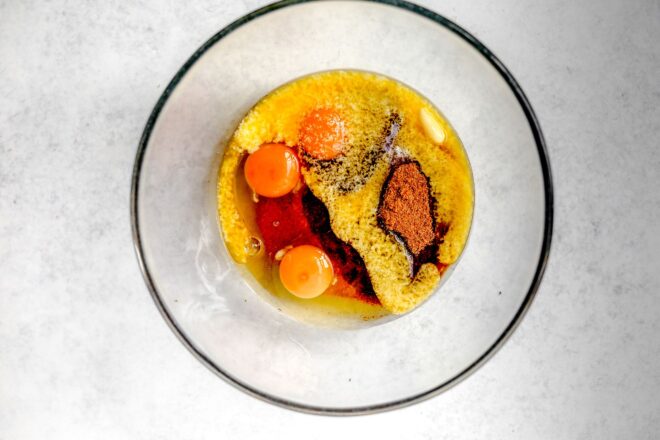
pixel 322 133
pixel 306 271
pixel 272 170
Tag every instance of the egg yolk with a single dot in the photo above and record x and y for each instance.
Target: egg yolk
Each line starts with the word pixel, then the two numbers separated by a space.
pixel 306 271
pixel 272 170
pixel 322 133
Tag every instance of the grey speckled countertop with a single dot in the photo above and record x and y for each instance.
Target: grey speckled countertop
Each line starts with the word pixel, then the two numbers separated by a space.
pixel 85 354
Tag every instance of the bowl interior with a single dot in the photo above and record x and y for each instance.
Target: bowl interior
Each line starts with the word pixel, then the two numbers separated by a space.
pixel 213 304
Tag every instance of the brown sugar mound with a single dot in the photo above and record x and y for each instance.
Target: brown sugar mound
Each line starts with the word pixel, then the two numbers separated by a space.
pixel 405 211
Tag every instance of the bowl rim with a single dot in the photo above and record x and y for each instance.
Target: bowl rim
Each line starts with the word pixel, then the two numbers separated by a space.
pixel 399 403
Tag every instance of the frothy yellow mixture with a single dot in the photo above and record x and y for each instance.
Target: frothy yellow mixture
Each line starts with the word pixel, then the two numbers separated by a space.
pixel 350 189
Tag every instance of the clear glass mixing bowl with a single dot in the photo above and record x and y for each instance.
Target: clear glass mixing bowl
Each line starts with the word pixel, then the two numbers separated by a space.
pixel 215 307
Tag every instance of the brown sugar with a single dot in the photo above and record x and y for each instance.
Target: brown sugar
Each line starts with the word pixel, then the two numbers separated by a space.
pixel 406 211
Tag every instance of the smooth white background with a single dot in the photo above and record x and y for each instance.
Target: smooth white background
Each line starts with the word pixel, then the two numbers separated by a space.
pixel 85 354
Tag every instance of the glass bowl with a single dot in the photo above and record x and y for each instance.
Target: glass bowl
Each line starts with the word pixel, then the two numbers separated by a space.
pixel 214 306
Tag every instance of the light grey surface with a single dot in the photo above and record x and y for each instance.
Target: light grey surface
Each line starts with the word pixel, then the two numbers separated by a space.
pixel 83 351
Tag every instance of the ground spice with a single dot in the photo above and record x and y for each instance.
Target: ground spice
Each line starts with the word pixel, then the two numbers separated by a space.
pixel 406 211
